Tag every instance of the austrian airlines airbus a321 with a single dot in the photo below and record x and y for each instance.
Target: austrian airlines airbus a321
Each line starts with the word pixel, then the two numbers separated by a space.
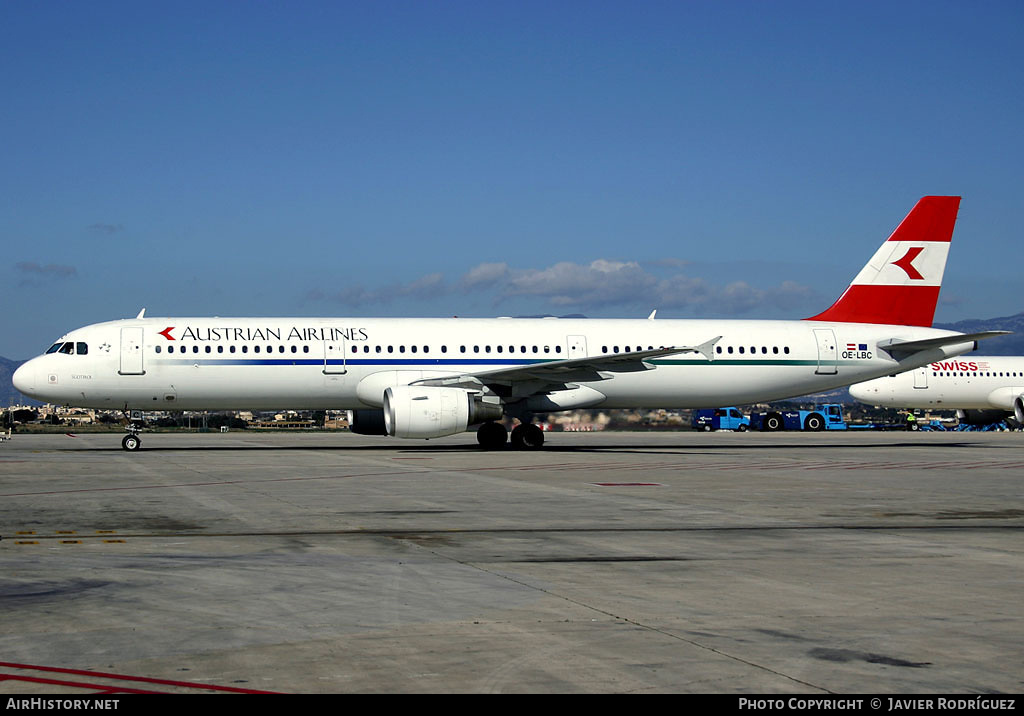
pixel 427 378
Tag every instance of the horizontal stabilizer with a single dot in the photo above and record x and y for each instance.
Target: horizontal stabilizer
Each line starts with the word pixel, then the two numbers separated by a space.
pixel 907 347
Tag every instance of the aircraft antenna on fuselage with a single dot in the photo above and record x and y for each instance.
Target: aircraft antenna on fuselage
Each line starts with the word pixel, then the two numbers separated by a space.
pixel 142 313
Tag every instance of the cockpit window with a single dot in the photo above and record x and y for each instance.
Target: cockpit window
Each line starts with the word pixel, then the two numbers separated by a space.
pixel 69 348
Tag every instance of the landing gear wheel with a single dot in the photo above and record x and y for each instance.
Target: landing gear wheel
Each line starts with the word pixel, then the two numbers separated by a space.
pixel 492 436
pixel 527 436
pixel 131 443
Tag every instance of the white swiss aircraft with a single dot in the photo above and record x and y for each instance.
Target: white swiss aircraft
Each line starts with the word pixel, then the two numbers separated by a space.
pixel 983 389
pixel 427 378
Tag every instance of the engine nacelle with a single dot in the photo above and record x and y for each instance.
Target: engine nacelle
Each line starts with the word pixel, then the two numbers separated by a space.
pixel 412 411
pixel 980 417
pixel 1018 408
pixel 367 422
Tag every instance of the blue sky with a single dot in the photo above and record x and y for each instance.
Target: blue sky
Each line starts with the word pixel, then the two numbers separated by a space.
pixel 708 159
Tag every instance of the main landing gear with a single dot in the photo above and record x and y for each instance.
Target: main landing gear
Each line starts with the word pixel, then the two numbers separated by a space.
pixel 525 436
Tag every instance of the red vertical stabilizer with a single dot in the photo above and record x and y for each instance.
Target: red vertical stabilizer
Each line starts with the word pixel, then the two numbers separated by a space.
pixel 900 284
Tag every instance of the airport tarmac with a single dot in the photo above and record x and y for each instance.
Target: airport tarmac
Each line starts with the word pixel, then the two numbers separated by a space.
pixel 605 563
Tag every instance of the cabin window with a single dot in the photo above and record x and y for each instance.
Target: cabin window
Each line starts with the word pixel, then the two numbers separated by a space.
pixel 444 349
pixel 209 349
pixel 220 349
pixel 305 349
pixel 158 349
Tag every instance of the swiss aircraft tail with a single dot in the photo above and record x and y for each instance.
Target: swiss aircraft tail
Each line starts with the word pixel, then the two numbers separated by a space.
pixel 900 284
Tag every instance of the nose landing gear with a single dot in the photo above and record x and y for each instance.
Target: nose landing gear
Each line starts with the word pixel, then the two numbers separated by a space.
pixel 132 442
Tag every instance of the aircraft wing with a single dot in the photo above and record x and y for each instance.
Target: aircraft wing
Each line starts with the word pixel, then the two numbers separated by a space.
pixel 904 348
pixel 521 381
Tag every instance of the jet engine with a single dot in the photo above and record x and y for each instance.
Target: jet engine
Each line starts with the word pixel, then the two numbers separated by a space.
pixel 1018 408
pixel 980 417
pixel 412 411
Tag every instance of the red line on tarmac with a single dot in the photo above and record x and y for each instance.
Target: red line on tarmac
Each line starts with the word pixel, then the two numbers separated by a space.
pixel 117 677
pixel 98 688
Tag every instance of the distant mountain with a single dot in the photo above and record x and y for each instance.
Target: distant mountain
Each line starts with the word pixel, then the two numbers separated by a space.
pixel 1012 345
pixel 8 395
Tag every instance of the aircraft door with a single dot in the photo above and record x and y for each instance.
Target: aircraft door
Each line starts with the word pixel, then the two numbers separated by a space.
pixel 576 346
pixel 827 351
pixel 921 377
pixel 335 361
pixel 131 352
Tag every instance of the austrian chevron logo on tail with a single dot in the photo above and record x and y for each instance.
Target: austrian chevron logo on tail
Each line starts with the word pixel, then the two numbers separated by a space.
pixel 907 263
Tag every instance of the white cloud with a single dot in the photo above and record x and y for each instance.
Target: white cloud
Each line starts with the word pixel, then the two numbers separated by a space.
pixel 598 285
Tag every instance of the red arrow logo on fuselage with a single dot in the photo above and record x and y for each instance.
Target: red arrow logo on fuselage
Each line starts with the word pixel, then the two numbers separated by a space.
pixel 907 262
pixel 166 333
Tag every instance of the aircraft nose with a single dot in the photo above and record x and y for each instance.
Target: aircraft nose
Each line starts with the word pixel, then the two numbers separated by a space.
pixel 864 392
pixel 24 379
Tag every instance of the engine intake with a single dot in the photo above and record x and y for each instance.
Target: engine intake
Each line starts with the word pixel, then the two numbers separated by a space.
pixel 367 422
pixel 432 412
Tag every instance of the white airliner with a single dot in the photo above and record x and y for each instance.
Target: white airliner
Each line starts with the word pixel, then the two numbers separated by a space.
pixel 426 378
pixel 984 389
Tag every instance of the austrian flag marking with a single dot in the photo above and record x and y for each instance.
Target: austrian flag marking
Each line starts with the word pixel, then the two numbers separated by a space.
pixel 166 333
